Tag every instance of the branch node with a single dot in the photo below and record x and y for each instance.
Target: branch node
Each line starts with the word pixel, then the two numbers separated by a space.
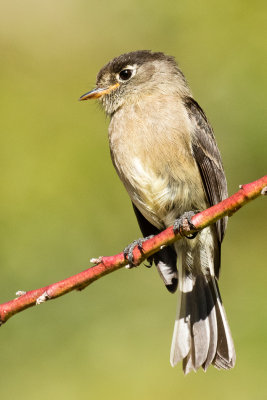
pixel 44 297
pixel 20 293
pixel 264 191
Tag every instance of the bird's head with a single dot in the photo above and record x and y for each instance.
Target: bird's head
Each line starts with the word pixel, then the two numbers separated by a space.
pixel 131 76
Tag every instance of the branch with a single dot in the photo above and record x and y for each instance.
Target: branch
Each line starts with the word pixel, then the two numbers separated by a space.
pixel 106 265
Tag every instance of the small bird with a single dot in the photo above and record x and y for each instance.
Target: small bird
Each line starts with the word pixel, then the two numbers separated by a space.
pixel 164 151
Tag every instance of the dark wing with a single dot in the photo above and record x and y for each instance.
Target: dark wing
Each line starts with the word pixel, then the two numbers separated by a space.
pixel 210 166
pixel 164 259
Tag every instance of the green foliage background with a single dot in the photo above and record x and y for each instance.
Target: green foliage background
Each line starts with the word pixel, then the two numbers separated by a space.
pixel 61 202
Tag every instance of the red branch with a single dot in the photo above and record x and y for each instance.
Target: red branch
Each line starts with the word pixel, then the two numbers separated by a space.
pixel 105 265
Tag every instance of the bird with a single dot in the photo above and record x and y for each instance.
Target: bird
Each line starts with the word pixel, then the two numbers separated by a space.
pixel 164 151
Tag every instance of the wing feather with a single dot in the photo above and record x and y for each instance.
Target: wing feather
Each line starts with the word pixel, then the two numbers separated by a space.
pixel 208 158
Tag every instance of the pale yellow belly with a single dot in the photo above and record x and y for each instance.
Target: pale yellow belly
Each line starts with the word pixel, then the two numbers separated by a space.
pixel 160 196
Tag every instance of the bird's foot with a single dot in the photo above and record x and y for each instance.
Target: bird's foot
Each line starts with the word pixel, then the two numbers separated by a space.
pixel 184 224
pixel 128 251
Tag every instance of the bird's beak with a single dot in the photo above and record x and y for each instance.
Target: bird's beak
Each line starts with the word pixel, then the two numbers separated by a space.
pixel 98 92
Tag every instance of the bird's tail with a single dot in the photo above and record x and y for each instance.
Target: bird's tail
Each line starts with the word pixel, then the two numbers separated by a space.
pixel 201 332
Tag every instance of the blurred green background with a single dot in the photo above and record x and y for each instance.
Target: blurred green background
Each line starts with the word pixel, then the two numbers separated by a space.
pixel 62 203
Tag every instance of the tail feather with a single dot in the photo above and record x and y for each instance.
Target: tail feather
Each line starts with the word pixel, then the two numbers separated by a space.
pixel 181 341
pixel 201 333
pixel 212 319
pixel 188 364
pixel 225 356
pixel 199 325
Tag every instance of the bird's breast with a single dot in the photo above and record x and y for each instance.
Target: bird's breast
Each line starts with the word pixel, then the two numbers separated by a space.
pixel 151 152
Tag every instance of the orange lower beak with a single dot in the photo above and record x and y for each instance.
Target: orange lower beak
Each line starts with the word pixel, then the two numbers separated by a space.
pixel 98 92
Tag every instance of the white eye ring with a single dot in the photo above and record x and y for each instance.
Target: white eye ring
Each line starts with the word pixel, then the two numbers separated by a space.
pixel 126 73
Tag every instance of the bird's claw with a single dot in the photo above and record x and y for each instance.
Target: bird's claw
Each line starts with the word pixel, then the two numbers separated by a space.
pixel 128 251
pixel 184 224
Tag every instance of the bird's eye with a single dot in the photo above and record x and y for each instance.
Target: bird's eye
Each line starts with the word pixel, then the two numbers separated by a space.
pixel 125 74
